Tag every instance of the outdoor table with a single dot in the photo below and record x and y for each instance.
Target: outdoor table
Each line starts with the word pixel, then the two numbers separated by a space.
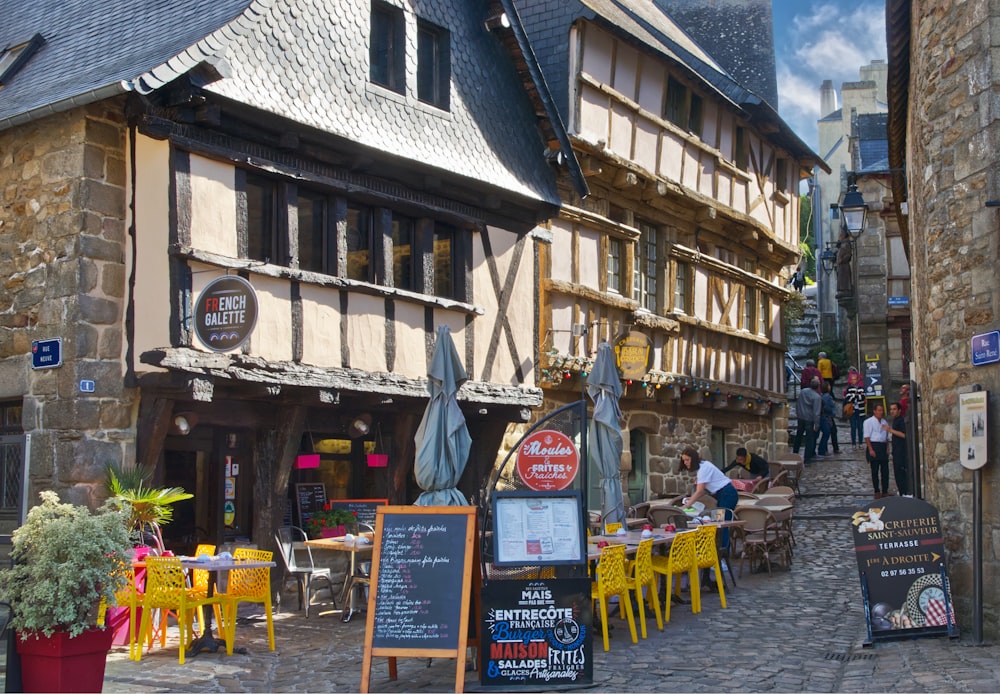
pixel 338 544
pixel 207 640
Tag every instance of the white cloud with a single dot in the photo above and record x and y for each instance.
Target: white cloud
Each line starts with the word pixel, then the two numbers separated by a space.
pixel 822 41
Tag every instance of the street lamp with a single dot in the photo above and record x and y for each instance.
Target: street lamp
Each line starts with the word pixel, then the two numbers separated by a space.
pixel 854 210
pixel 829 258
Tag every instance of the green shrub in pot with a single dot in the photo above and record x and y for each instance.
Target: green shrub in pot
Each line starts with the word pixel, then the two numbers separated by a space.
pixel 67 558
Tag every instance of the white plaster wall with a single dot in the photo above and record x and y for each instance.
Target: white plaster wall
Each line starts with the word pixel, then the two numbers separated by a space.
pixel 272 338
pixel 213 206
pixel 561 252
pixel 591 260
pixel 152 211
pixel 366 332
pixel 411 349
pixel 321 319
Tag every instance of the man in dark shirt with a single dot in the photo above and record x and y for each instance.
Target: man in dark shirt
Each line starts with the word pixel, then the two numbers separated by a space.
pixel 900 463
pixel 757 466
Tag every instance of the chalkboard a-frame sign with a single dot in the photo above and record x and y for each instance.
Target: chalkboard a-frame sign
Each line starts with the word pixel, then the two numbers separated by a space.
pixel 421 578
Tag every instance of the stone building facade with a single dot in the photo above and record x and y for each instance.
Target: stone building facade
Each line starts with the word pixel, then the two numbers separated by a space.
pixel 944 130
pixel 62 257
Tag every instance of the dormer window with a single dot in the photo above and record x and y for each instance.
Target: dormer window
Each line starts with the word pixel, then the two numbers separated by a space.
pixel 16 56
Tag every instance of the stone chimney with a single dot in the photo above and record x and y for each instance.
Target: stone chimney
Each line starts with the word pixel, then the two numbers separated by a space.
pixel 827 99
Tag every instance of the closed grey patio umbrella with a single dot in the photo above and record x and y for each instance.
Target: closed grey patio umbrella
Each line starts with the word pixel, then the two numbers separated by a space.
pixel 604 438
pixel 442 439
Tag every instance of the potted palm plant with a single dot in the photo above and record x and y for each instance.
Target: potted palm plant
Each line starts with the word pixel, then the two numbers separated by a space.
pixel 67 560
pixel 150 508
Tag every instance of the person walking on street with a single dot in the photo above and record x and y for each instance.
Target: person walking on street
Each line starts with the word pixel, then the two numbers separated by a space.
pixel 854 395
pixel 808 410
pixel 828 422
pixel 900 462
pixel 877 453
pixel 809 372
pixel 825 366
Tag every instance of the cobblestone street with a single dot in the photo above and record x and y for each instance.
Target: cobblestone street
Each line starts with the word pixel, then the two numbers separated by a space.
pixel 796 630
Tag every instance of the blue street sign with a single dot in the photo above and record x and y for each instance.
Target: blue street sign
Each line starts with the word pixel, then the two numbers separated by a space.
pixel 986 348
pixel 87 385
pixel 46 354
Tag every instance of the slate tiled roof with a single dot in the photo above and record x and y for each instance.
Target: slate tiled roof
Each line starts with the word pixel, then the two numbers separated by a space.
pixel 96 48
pixel 873 141
pixel 309 63
pixel 738 33
pixel 306 60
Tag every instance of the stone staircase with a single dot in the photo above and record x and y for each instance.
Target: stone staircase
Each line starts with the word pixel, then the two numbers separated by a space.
pixel 803 337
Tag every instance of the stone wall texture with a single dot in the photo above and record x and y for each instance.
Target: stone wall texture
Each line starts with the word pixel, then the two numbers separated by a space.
pixel 952 164
pixel 62 264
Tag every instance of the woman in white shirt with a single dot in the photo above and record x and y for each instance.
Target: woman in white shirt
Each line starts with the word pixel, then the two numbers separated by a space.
pixel 709 480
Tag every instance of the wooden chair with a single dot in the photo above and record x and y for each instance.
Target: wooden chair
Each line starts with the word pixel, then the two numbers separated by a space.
pixel 780 479
pixel 707 557
pixel 610 581
pixel 758 536
pixel 660 515
pixel 680 560
pixel 166 589
pixel 759 486
pixel 246 585
pixel 641 576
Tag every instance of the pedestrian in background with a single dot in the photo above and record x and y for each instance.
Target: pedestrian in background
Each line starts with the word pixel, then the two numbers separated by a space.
pixel 900 462
pixel 828 422
pixel 808 410
pixel 825 366
pixel 809 372
pixel 904 399
pixel 854 395
pixel 877 453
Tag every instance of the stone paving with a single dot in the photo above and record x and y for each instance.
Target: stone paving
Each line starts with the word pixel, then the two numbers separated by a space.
pixel 796 630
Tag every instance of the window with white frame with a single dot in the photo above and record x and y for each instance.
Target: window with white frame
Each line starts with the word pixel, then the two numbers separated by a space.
pixel 614 265
pixel 644 275
pixel 763 314
pixel 682 288
pixel 749 308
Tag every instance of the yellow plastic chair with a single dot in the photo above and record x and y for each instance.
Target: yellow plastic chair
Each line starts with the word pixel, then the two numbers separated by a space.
pixel 612 528
pixel 199 583
pixel 642 576
pixel 127 596
pixel 610 581
pixel 246 585
pixel 680 560
pixel 166 589
pixel 707 556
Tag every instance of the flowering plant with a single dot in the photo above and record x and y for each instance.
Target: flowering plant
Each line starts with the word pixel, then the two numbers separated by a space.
pixel 329 517
pixel 66 560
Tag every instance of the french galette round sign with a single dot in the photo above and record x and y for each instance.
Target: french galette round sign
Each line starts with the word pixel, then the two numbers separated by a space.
pixel 226 313
pixel 548 460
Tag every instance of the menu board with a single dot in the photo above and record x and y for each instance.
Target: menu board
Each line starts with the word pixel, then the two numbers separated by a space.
pixel 363 509
pixel 422 564
pixel 537 634
pixel 538 528
pixel 900 553
pixel 309 498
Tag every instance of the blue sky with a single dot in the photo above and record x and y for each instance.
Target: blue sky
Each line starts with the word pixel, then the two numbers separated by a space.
pixel 818 40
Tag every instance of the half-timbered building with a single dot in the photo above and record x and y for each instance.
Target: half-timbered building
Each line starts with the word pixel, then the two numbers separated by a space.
pixel 679 255
pixel 330 181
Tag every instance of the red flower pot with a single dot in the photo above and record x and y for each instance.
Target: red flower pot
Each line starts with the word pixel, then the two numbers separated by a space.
pixel 58 663
pixel 336 531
